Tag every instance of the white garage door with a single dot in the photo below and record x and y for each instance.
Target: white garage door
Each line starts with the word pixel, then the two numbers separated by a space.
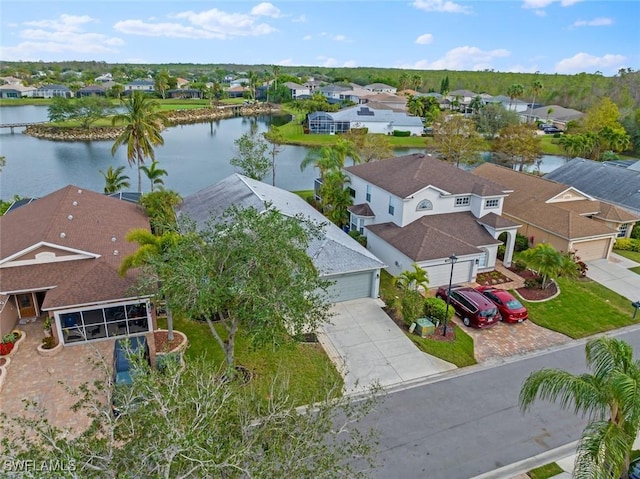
pixel 439 275
pixel 589 250
pixel 351 286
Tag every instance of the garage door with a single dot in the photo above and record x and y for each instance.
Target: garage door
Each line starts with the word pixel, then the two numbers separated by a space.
pixel 439 275
pixel 351 286
pixel 589 250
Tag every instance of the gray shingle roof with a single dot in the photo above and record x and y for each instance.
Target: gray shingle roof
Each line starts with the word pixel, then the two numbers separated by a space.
pixel 620 186
pixel 335 253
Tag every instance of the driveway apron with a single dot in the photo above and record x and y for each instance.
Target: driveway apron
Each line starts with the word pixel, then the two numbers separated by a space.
pixel 614 274
pixel 369 348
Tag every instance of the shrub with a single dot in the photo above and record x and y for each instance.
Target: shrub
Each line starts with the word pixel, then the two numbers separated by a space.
pixel 412 306
pixel 435 308
pixel 635 232
pixel 48 342
pixel 533 283
pixel 519 265
pixel 522 242
pixel 627 244
pixel 501 250
pixel 355 234
pixel 401 133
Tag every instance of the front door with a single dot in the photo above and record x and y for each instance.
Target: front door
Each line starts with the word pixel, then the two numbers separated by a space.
pixel 26 305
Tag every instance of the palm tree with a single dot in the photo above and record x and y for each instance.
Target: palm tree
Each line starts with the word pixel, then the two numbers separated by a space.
pixel 514 91
pixel 154 173
pixel 476 104
pixel 536 88
pixel 610 397
pixel 412 280
pixel 548 262
pixel 276 74
pixel 114 179
pixel 150 246
pixel 143 124
pixel 253 83
pixel 330 158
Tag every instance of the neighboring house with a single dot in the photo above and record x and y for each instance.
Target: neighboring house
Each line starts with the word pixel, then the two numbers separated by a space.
pixel 463 97
pixel 107 77
pixel 313 85
pixel 239 82
pixel 555 114
pixel 236 91
pixel 60 255
pixel 360 116
pixel 418 209
pixel 15 91
pixel 394 102
pixel 191 93
pixel 558 214
pixel 516 105
pixel 380 88
pixel 296 90
pixel 51 91
pixel 337 256
pixel 604 181
pixel 333 93
pixel 140 84
pixel 92 90
pixel 11 80
pixel 181 82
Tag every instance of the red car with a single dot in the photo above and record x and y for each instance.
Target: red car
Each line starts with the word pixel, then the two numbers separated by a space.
pixel 472 307
pixel 511 310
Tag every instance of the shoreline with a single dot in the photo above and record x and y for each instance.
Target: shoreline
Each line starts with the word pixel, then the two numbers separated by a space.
pixel 176 117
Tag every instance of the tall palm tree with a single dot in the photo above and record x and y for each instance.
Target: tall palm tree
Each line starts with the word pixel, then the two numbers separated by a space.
pixel 536 88
pixel 476 104
pixel 514 91
pixel 142 126
pixel 330 158
pixel 276 74
pixel 114 180
pixel 548 262
pixel 610 397
pixel 154 173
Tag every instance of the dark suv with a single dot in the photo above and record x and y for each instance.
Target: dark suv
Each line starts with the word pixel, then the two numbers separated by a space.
pixel 125 366
pixel 474 309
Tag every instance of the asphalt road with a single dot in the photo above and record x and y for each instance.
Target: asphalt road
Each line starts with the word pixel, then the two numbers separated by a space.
pixel 468 423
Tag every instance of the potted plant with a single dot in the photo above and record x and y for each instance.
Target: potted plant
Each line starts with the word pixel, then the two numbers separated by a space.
pixel 46 326
pixel 8 341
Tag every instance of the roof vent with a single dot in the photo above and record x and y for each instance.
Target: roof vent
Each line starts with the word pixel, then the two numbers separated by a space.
pixel 70 217
pixel 116 252
pixel 113 238
pixel 75 203
pixel 63 235
pixel 79 192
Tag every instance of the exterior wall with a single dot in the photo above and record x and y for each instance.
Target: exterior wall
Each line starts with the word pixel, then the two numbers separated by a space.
pixel 379 201
pixel 385 128
pixel 396 261
pixel 480 208
pixel 541 236
pixel 8 315
pixel 439 271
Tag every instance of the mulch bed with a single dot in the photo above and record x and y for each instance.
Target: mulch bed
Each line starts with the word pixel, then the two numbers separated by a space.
pixel 163 345
pixel 491 278
pixel 537 294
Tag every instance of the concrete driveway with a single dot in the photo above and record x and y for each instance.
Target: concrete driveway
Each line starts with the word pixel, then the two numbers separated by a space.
pixel 368 347
pixel 614 274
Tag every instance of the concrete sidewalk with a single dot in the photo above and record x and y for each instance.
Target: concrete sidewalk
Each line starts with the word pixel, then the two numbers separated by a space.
pixel 369 348
pixel 613 273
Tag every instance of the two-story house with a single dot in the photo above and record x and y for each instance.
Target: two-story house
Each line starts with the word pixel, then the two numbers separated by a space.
pixel 418 209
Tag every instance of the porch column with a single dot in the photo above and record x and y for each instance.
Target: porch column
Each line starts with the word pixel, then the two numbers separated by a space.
pixel 508 250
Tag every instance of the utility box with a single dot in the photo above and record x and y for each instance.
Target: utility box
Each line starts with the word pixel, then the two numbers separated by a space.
pixel 424 327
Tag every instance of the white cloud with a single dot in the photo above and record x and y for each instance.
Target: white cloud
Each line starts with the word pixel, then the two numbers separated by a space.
pixel 444 6
pixel 339 38
pixel 62 35
pixel 209 24
pixel 307 37
pixel 425 39
pixel 463 58
pixel 331 36
pixel 583 62
pixel 332 62
pixel 301 19
pixel 266 9
pixel 596 22
pixel 285 62
pixel 545 3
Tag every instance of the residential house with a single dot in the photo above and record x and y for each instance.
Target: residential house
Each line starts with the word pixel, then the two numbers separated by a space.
pixel 360 116
pixel 333 93
pixel 236 91
pixel 141 84
pixel 418 209
pixel 554 114
pixel 60 256
pixel 91 90
pixel 184 93
pixel 509 104
pixel 239 82
pixel 51 91
pixel 561 215
pixel 381 88
pixel 394 102
pixel 354 271
pixel 14 91
pixel 181 82
pixel 296 90
pixel 107 77
pixel 313 84
pixel 603 180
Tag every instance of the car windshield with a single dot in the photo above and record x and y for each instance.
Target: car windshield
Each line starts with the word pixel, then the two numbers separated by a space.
pixel 514 304
pixel 488 313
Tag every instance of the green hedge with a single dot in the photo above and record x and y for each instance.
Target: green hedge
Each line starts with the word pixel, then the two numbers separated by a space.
pixel 436 308
pixel 627 244
pixel 401 133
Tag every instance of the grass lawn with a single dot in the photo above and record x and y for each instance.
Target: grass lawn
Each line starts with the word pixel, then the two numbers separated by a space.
pixel 582 309
pixel 544 472
pixel 306 367
pixel 632 255
pixel 636 270
pixel 458 352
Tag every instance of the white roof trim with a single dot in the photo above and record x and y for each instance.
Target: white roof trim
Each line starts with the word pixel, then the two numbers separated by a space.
pixel 49 245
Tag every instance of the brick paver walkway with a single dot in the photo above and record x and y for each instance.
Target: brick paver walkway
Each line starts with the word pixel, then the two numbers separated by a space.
pixel 37 378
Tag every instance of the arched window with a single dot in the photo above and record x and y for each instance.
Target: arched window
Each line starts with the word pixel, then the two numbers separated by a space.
pixel 424 205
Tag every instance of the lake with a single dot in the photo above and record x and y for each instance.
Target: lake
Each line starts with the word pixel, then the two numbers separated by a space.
pixel 195 156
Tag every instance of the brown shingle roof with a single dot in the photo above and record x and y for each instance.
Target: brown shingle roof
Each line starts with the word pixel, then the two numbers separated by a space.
pixel 405 175
pixel 362 209
pixel 496 221
pixel 98 226
pixel 528 204
pixel 436 236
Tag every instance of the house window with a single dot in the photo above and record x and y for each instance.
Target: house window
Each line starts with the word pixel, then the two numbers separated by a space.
pixel 424 205
pixel 494 203
pixel 391 206
pixel 368 197
pixel 622 231
pixel 482 261
pixel 352 192
pixel 463 201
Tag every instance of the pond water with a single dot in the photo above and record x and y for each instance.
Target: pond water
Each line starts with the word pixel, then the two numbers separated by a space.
pixel 195 156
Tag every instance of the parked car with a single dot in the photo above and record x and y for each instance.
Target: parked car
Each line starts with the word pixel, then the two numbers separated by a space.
pixel 125 366
pixel 634 469
pixel 511 310
pixel 542 126
pixel 472 306
pixel 551 130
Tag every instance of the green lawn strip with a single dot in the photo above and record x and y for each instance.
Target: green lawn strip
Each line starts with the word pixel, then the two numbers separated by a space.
pixel 636 270
pixel 458 351
pixel 632 255
pixel 546 471
pixel 582 309
pixel 305 368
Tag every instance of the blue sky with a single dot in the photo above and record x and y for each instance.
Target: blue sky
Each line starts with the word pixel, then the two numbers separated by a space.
pixel 549 36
